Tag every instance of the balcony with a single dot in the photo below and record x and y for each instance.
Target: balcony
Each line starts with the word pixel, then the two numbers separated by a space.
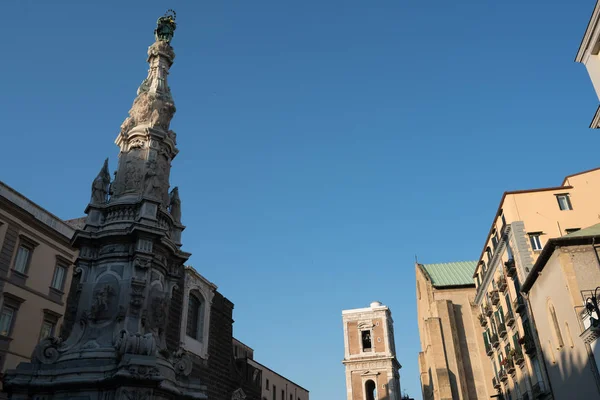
pixel 509 365
pixel 519 305
pixel 503 375
pixel 517 355
pixel 487 310
pixel 529 345
pixel 488 349
pixel 495 341
pixel 501 330
pixel 482 320
pixel 509 318
pixel 501 283
pixel 494 297
pixel 537 390
pixel 496 383
pixel 511 268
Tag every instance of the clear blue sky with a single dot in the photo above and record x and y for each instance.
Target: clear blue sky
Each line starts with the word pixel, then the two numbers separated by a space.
pixel 323 143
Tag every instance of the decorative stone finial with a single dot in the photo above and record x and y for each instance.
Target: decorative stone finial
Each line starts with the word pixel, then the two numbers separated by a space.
pixel 165 27
pixel 100 186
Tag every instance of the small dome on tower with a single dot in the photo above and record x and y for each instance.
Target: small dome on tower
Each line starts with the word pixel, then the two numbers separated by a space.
pixel 375 304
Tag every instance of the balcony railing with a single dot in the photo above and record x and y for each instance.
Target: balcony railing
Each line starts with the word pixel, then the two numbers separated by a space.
pixel 537 390
pixel 501 283
pixel 511 268
pixel 519 305
pixel 487 310
pixel 495 341
pixel 509 365
pixel 517 355
pixel 496 383
pixel 482 320
pixel 503 375
pixel 501 330
pixel 494 297
pixel 509 318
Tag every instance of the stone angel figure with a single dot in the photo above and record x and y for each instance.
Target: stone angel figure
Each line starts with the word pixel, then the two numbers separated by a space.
pixel 100 186
pixel 175 204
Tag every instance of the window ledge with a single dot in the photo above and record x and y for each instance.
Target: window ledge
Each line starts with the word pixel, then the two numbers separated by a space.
pixel 56 294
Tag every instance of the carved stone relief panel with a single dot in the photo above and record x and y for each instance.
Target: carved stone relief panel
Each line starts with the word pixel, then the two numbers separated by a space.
pixel 105 300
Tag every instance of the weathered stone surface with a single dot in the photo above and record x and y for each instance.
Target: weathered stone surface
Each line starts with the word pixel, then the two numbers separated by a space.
pixel 120 337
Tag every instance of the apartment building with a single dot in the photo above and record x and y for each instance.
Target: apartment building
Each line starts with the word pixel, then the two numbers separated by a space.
pixel 587 54
pixel 276 386
pixel 524 222
pixel 36 265
pixel 559 291
pixel 452 363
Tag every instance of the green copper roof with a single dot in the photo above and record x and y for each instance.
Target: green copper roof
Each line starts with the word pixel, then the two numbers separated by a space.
pixel 451 274
pixel 593 230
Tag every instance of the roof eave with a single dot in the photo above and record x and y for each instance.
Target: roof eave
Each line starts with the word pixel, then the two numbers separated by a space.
pixel 589 35
pixel 549 250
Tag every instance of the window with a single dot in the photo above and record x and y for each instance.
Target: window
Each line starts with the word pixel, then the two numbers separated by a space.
pixel 538 372
pixel 509 252
pixel 195 317
pixel 489 254
pixel 48 328
pixel 8 314
pixel 536 243
pixel 366 340
pixel 564 202
pixel 282 394
pixel 569 337
pixel 22 259
pixel 371 390
pixel 478 281
pixel 274 392
pixel 507 300
pixel 6 320
pixel 554 323
pixel 58 280
pixel 571 230
pixel 267 385
pixel 291 396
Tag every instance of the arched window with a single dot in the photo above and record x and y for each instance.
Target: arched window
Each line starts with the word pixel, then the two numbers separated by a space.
pixel 195 316
pixel 569 337
pixel 554 324
pixel 371 390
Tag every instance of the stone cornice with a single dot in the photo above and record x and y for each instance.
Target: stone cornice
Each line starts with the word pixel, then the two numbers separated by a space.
pixel 40 214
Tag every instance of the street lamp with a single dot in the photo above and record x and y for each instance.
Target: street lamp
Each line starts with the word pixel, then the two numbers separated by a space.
pixel 591 305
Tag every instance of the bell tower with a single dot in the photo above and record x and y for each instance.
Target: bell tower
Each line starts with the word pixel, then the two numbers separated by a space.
pixel 370 354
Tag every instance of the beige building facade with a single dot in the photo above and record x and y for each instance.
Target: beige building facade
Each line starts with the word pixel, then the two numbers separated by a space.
pixel 372 370
pixel 452 363
pixel 562 282
pixel 524 222
pixel 274 385
pixel 36 265
pixel 588 55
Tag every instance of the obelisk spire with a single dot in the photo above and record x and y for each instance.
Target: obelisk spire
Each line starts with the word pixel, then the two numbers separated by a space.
pixel 146 141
